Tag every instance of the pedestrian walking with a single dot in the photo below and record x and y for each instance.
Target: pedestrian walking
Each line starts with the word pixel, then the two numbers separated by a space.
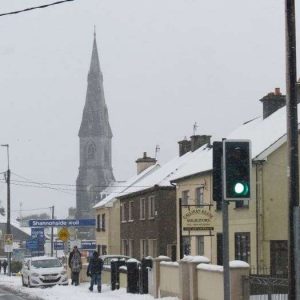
pixel 75 265
pixel 0 265
pixel 4 264
pixel 94 270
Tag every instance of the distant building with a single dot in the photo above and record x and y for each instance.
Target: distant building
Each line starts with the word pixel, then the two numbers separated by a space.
pixel 95 135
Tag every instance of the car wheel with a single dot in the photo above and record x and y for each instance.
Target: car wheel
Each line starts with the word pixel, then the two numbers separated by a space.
pixel 23 283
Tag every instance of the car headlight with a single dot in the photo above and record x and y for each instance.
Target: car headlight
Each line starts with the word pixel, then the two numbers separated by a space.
pixel 63 272
pixel 35 274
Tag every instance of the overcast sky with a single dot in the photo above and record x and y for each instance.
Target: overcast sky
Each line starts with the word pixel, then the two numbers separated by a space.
pixel 166 65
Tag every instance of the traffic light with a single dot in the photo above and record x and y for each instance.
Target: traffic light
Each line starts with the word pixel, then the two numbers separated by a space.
pixel 237 165
pixel 217 171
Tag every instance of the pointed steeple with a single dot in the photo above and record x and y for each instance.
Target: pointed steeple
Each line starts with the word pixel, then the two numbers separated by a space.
pixel 95 65
pixel 95 115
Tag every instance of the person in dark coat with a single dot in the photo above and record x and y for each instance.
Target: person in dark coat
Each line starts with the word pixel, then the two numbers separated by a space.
pixel 94 271
pixel 0 265
pixel 75 265
pixel 4 264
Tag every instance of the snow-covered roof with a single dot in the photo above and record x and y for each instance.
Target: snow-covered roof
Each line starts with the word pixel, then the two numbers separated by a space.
pixel 266 135
pixel 162 176
pixel 16 224
pixel 118 189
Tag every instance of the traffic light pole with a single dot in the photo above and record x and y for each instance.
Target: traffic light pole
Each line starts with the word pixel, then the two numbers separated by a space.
pixel 292 146
pixel 225 223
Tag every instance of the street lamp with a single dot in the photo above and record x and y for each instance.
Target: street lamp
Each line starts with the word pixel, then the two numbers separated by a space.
pixel 8 228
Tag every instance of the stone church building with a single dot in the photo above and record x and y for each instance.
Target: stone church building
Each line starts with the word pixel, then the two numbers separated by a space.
pixel 95 135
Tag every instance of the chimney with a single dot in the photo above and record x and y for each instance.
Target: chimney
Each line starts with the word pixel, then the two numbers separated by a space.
pixel 144 163
pixel 272 102
pixel 198 141
pixel 184 147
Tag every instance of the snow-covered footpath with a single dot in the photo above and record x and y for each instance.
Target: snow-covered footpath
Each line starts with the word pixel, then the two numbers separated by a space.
pixel 71 292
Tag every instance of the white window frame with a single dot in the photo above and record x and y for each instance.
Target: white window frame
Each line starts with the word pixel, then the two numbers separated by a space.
pixel 151 207
pixel 142 208
pixel 124 247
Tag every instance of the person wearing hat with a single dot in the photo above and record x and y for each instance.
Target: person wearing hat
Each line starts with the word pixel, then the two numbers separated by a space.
pixel 75 265
pixel 94 271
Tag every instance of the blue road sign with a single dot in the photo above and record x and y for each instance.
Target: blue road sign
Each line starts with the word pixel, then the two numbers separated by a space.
pixel 59 245
pixel 88 245
pixel 32 244
pixel 37 233
pixel 63 223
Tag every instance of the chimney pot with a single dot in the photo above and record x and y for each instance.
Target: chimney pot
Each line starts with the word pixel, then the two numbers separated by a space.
pixel 277 92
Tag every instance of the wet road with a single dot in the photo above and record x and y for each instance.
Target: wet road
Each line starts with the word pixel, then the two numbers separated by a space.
pixel 12 295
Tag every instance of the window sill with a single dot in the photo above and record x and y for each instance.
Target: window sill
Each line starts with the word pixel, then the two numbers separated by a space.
pixel 151 218
pixel 123 221
pixel 142 219
pixel 130 221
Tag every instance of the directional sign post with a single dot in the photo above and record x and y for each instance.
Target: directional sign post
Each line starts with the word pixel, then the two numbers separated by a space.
pixel 63 223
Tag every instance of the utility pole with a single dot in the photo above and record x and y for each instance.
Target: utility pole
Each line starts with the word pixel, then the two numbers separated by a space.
pixel 292 146
pixel 52 216
pixel 8 228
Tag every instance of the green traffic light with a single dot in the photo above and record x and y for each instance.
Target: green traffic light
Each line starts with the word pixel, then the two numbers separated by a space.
pixel 241 188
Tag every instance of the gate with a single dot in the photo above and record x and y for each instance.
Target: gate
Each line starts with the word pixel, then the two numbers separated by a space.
pixel 264 287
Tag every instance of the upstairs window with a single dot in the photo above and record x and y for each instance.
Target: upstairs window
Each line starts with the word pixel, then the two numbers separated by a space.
pixel 103 222
pixel 123 216
pixel 199 195
pixel 185 197
pixel 142 208
pixel 130 211
pixel 151 210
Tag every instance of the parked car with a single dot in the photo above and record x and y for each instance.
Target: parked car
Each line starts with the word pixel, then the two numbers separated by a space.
pixel 108 258
pixel 43 271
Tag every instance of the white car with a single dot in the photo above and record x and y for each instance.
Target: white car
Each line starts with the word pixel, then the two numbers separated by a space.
pixel 43 271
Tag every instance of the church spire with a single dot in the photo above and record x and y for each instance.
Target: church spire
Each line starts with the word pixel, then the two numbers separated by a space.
pixel 95 65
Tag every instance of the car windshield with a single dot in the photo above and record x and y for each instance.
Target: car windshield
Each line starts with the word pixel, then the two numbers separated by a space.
pixel 46 263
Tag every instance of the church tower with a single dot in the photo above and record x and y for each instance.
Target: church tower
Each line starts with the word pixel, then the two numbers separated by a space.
pixel 95 135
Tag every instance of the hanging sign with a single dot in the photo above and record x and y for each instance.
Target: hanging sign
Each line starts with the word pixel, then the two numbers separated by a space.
pixel 196 218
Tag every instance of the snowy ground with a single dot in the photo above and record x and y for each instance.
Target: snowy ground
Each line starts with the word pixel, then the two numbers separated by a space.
pixel 75 292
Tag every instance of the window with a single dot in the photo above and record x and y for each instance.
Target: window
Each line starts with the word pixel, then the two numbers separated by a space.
pixel 98 222
pixel 143 247
pixel 104 250
pixel 131 245
pixel 91 151
pixel 186 244
pixel 151 207
pixel 124 245
pixel 123 217
pixel 130 211
pixel 199 195
pixel 242 203
pixel 152 244
pixel 103 222
pixel 142 208
pixel 200 245
pixel 242 246
pixel 185 197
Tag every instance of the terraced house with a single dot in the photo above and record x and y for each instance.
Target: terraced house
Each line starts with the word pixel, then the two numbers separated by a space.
pixel 257 228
